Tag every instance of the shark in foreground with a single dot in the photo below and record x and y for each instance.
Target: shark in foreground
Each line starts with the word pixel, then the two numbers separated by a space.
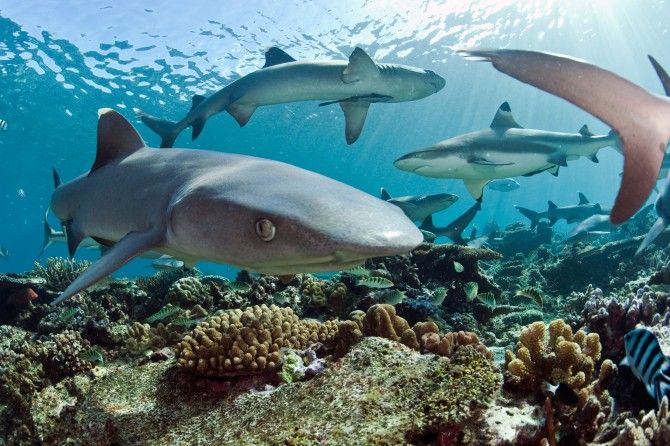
pixel 571 214
pixel 504 149
pixel 418 207
pixel 640 118
pixel 453 230
pixel 353 84
pixel 253 213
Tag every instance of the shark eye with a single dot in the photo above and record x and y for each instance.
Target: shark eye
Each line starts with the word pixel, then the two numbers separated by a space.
pixel 265 229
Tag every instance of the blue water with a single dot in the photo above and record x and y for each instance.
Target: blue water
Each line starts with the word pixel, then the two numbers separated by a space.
pixel 61 61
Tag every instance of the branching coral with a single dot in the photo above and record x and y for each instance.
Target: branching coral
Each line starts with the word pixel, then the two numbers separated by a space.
pixel 60 354
pixel 60 272
pixel 237 342
pixel 187 292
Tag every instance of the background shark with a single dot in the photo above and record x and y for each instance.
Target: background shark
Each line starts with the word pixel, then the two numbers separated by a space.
pixel 254 213
pixel 353 84
pixel 640 118
pixel 418 207
pixel 570 214
pixel 502 150
pixel 453 230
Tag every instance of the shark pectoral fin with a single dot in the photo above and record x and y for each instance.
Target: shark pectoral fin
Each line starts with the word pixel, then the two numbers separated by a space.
pixel 503 118
pixel 559 159
pixel 133 244
pixel 366 98
pixel 594 158
pixel 275 56
pixel 654 232
pixel 553 170
pixel 354 116
pixel 385 195
pixel 73 236
pixel 360 66
pixel 117 138
pixel 197 127
pixel 485 162
pixel 241 112
pixel 475 187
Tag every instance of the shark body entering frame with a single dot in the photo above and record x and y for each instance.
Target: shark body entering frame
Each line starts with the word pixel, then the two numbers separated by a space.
pixel 254 213
pixel 353 84
pixel 418 207
pixel 504 149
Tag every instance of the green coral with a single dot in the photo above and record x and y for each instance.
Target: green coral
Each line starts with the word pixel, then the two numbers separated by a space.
pixel 59 272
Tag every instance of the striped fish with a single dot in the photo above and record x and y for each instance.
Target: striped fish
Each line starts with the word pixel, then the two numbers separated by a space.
pixel 647 362
pixel 3 124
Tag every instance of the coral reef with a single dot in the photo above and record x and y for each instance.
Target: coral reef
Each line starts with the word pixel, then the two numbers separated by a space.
pixel 60 272
pixel 389 395
pixel 237 342
pixel 60 354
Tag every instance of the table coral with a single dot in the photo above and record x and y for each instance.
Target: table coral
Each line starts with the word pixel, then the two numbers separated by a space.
pixel 247 341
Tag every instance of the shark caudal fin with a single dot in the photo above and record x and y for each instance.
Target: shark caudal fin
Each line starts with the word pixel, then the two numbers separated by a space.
pixel 167 130
pixel 454 230
pixel 641 119
pixel 427 224
pixel 49 234
pixel 533 216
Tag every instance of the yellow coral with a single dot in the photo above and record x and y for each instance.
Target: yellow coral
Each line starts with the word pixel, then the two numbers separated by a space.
pixel 563 357
pixel 247 341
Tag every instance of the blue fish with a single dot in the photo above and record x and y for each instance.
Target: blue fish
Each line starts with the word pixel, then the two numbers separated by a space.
pixel 504 185
pixel 647 362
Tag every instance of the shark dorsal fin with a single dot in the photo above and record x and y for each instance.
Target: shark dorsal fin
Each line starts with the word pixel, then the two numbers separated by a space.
pixel 360 66
pixel 584 131
pixel 583 199
pixel 117 138
pixel 551 205
pixel 275 56
pixel 503 118
pixel 385 195
pixel 196 100
pixel 662 74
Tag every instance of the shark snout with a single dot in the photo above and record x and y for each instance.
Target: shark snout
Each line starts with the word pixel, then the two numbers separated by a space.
pixel 435 80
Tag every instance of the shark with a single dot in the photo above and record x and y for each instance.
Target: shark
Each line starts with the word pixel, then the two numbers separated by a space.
pixel 594 226
pixel 253 213
pixel 640 118
pixel 571 214
pixel 352 84
pixel 504 149
pixel 418 207
pixel 4 253
pixel 453 230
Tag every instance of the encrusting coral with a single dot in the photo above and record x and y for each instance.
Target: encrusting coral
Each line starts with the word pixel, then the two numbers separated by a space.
pixel 247 341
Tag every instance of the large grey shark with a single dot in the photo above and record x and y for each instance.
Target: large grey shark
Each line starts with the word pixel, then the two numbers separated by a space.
pixel 353 84
pixel 504 149
pixel 640 118
pixel 571 214
pixel 418 207
pixel 453 230
pixel 254 213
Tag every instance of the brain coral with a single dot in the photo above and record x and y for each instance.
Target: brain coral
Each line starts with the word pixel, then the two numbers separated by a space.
pixel 235 342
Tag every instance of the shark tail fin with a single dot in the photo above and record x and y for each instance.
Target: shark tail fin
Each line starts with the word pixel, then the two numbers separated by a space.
pixel 642 122
pixel 533 216
pixel 385 195
pixel 48 235
pixel 427 224
pixel 658 227
pixel 167 130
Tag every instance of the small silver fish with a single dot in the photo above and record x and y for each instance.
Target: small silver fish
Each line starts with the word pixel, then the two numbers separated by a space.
pixel 504 185
pixel 458 267
pixel 3 124
pixel 167 263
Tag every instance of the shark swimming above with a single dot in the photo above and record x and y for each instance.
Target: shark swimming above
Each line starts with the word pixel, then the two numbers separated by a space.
pixel 353 84
pixel 504 149
pixel 571 214
pixel 418 207
pixel 253 213
pixel 641 119
pixel 453 230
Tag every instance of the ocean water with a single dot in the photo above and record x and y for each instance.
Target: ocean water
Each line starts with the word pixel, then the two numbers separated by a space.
pixel 61 61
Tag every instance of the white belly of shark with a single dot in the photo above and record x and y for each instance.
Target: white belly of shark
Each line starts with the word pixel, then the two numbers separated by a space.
pixel 250 212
